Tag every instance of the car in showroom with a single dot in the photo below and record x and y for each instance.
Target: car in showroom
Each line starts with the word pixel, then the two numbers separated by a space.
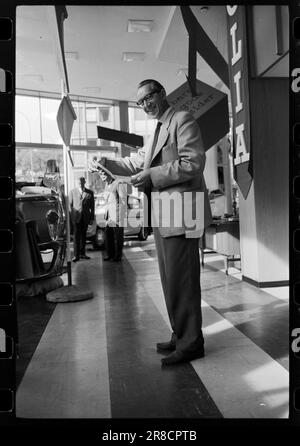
pixel 40 232
pixel 134 226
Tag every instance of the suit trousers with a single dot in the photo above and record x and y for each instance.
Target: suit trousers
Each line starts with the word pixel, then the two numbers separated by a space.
pixel 179 267
pixel 80 229
pixel 114 240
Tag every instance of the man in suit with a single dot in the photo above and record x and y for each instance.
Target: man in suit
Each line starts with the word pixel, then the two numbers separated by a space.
pixel 116 203
pixel 172 164
pixel 82 213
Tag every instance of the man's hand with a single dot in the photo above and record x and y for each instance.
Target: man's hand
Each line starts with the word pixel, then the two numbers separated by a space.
pixel 102 160
pixel 141 179
pixel 95 165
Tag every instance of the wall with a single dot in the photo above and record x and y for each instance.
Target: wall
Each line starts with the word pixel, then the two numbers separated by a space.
pixel 248 236
pixel 265 39
pixel 266 210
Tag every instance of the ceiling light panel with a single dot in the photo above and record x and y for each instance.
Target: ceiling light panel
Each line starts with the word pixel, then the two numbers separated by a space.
pixel 139 26
pixel 133 57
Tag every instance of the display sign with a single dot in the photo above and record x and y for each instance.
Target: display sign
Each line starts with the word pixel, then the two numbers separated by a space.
pixel 239 87
pixel 130 139
pixel 209 107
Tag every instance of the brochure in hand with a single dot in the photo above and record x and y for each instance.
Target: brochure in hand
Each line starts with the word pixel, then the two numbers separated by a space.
pixel 95 166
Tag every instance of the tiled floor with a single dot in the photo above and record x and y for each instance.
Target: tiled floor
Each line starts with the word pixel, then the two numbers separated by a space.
pixel 97 358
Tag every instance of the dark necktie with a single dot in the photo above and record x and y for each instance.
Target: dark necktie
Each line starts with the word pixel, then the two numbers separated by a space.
pixel 147 189
pixel 158 125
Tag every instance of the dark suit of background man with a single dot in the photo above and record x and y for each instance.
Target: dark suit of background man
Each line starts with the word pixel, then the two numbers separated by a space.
pixel 173 161
pixel 82 212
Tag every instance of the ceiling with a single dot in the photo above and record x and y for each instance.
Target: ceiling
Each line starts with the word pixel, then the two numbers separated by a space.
pixel 98 34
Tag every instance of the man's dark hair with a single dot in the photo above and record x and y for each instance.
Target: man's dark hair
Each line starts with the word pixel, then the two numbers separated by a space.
pixel 155 84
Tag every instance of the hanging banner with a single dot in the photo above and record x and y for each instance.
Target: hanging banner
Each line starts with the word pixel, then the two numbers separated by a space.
pixel 61 15
pixel 239 87
pixel 201 43
pixel 209 107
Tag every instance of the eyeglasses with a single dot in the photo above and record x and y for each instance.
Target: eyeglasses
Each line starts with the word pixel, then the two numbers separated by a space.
pixel 147 98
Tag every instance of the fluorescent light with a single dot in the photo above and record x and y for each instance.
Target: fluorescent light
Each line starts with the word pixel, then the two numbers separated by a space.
pixel 133 57
pixel 71 55
pixel 139 26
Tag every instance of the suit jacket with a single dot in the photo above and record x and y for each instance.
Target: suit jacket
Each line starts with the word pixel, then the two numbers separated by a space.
pixel 116 203
pixel 81 206
pixel 176 168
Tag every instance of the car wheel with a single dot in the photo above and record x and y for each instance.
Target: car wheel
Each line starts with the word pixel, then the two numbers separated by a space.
pixel 99 239
pixel 143 234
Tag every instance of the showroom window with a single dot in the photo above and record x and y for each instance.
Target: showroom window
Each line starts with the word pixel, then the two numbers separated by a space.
pixel 79 126
pixel 38 139
pixel 28 125
pixel 140 123
pixel 31 163
pixel 48 113
pixel 36 121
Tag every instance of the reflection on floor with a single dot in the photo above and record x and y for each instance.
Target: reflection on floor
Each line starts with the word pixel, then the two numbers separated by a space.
pixel 97 359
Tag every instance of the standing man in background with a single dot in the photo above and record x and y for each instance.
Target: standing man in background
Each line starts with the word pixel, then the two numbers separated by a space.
pixel 116 203
pixel 82 213
pixel 173 162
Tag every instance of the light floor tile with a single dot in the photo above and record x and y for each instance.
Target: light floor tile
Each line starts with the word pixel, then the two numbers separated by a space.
pixel 280 292
pixel 236 372
pixel 68 374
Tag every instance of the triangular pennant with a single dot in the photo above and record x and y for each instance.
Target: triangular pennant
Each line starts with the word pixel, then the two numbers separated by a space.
pixel 65 119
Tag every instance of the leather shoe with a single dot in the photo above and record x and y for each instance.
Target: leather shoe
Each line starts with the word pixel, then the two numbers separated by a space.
pixel 75 259
pixel 107 258
pixel 166 346
pixel 117 259
pixel 178 357
pixel 84 256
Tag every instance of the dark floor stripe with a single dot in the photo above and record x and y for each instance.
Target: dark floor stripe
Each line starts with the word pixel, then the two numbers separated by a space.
pixel 139 386
pixel 33 316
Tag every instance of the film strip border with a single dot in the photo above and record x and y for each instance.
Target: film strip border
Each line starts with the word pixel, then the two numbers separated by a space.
pixel 8 314
pixel 295 211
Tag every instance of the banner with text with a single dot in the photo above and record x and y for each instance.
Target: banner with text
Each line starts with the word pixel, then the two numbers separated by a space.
pixel 239 87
